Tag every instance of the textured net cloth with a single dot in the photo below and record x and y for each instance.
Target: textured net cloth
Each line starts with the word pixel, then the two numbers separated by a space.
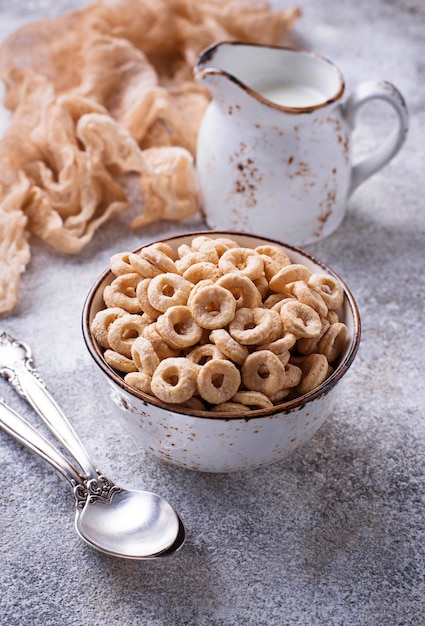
pixel 101 93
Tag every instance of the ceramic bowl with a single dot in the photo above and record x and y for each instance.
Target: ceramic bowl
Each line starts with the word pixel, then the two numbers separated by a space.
pixel 221 442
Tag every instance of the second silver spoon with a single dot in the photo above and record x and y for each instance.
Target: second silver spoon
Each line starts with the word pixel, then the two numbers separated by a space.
pixel 122 522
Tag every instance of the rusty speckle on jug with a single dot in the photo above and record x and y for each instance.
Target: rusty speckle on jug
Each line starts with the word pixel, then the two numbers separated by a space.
pixel 303 169
pixel 327 207
pixel 248 178
pixel 247 181
pixel 344 141
pixel 238 219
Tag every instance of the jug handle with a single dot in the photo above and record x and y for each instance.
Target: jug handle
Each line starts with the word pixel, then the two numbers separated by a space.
pixel 365 92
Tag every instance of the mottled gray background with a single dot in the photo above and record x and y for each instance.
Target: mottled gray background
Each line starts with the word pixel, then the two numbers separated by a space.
pixel 332 536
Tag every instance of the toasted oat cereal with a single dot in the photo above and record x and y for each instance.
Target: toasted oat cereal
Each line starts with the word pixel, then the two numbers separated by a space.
pixel 226 339
pixel 175 380
pixel 218 381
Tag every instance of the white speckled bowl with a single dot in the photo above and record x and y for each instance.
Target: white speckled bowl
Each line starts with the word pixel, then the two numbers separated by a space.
pixel 196 440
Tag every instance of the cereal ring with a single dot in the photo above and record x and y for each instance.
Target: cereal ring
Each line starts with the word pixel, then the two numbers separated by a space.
pixel 140 381
pixel 221 244
pixel 142 294
pixel 160 255
pixel 201 354
pixel 243 260
pixel 178 327
pixel 218 381
pixel 304 294
pixel 274 299
pixel 293 375
pixel 204 256
pixel 164 247
pixel 118 361
pixel 314 371
pixel 300 319
pixel 262 285
pixel 225 242
pixel 120 264
pixel 213 307
pixel 332 317
pixel 329 288
pixel 333 341
pixel 280 395
pixel 278 306
pixel 228 346
pixel 283 344
pixel 289 274
pixel 163 350
pixel 207 282
pixel 174 380
pixel 297 359
pixel 122 293
pixel 306 345
pixel 202 271
pixel 124 331
pixel 184 249
pixel 194 403
pixel 168 290
pixel 101 322
pixel 142 266
pixel 209 249
pixel 283 357
pixel 205 337
pixel 252 399
pixel 144 356
pixel 198 241
pixel 255 326
pixel 274 259
pixel 262 371
pixel 229 407
pixel 242 289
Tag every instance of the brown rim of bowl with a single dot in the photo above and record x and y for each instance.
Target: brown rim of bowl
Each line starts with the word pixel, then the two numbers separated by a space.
pixel 284 407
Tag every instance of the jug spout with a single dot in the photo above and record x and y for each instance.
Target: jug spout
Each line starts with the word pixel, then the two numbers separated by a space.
pixel 224 88
pixel 221 72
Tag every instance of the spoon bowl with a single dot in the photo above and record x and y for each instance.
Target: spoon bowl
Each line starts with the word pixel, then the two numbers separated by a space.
pixel 127 523
pixel 130 523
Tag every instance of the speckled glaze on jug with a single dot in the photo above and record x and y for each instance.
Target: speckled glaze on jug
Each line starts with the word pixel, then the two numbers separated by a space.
pixel 276 170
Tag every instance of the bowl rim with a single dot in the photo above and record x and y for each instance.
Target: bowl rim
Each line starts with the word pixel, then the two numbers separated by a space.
pixel 285 407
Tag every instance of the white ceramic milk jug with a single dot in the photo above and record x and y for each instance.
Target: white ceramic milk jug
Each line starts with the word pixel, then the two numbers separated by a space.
pixel 274 145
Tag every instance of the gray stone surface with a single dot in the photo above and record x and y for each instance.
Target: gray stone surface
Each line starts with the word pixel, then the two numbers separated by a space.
pixel 333 535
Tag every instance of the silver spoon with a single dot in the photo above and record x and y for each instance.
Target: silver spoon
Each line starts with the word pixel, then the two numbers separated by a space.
pixel 88 519
pixel 121 522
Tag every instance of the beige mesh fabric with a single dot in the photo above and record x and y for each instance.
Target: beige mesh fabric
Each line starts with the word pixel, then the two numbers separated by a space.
pixel 100 94
pixel 14 248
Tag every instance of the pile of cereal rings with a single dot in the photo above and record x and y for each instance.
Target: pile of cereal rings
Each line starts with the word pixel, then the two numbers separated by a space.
pixel 219 327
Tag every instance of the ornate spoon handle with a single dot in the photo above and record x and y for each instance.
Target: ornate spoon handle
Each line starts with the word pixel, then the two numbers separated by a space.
pixel 17 366
pixel 15 425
